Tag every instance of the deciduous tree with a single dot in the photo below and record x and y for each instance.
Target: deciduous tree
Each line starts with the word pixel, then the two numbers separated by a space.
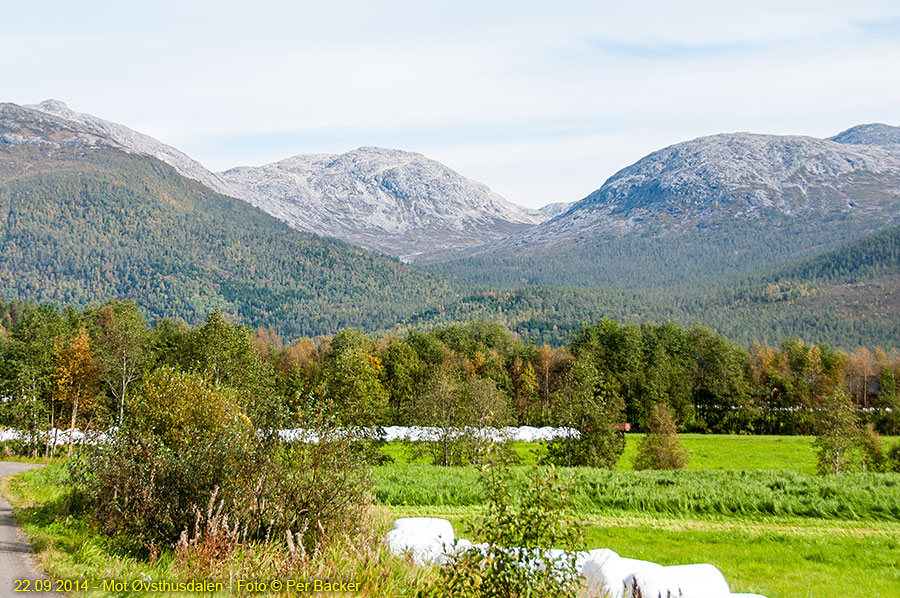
pixel 76 377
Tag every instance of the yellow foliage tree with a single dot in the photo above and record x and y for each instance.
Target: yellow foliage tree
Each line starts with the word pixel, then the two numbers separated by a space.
pixel 76 378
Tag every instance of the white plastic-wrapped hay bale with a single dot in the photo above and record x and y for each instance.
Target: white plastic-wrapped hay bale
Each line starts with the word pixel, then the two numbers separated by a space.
pixel 685 581
pixel 605 571
pixel 427 539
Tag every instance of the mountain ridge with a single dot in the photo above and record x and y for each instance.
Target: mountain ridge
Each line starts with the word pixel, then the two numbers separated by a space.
pixel 85 220
pixel 397 202
pixel 404 205
pixel 692 182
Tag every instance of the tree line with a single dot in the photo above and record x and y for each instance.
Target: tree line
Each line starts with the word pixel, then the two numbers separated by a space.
pixel 67 368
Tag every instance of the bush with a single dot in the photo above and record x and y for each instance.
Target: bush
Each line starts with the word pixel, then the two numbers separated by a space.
pixel 892 460
pixel 185 439
pixel 519 529
pixel 188 441
pixel 872 452
pixel 315 491
pixel 661 448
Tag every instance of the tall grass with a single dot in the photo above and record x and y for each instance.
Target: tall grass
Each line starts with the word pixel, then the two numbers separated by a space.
pixel 743 494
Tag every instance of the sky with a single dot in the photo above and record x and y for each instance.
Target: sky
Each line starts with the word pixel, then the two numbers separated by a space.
pixel 540 101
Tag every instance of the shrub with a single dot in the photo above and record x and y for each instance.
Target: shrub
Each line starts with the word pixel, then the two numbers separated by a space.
pixel 518 530
pixel 187 440
pixel 184 439
pixel 661 448
pixel 316 491
pixel 872 452
pixel 892 459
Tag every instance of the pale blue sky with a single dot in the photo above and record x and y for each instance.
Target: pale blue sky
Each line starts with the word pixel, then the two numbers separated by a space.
pixel 541 101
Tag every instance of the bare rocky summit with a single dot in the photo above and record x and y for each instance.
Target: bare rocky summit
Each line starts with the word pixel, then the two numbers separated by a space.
pixel 400 203
pixel 870 134
pixel 552 210
pixel 738 176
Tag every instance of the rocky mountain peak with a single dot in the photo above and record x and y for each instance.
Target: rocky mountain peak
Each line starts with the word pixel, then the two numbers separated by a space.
pixel 720 179
pixel 398 202
pixel 870 134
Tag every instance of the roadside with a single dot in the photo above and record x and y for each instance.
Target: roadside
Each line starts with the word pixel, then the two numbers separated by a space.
pixel 16 557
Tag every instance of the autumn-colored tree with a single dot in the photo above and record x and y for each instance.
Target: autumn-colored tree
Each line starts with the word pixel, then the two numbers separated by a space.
pixel 268 344
pixel 76 377
pixel 525 386
pixel 299 356
pixel 862 371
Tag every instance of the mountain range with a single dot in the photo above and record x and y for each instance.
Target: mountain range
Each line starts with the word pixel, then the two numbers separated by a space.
pixel 399 203
pixel 719 205
pixel 84 218
pixel 689 232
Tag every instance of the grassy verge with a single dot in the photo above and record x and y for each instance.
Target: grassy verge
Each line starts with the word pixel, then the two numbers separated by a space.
pixel 66 546
pixel 69 548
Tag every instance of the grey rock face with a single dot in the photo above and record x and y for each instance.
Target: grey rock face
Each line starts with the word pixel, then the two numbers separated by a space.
pixel 399 203
pixel 729 176
pixel 21 126
pixel 552 210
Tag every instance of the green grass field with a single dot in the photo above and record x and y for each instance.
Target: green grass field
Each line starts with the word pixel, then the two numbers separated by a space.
pixel 748 504
pixel 707 451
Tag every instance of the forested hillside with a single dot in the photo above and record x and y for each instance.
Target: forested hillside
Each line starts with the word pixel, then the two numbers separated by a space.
pixel 848 296
pixel 83 224
pixel 730 247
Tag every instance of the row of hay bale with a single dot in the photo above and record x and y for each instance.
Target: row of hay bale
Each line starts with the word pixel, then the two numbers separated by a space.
pixel 387 433
pixel 431 434
pixel 431 541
